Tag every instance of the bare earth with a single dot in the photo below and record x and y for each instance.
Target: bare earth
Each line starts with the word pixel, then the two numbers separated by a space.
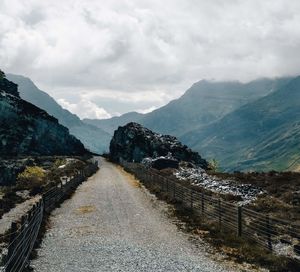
pixel 113 224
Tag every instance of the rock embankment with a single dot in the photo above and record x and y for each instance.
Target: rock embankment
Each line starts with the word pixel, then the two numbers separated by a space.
pixel 245 193
pixel 133 142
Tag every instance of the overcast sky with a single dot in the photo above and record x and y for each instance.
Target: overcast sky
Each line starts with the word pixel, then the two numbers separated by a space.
pixel 103 58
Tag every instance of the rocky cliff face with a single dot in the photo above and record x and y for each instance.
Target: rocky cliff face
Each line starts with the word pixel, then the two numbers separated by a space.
pixel 93 137
pixel 27 130
pixel 133 142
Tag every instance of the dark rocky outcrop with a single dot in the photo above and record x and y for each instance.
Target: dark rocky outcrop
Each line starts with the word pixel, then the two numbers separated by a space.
pixel 93 138
pixel 27 130
pixel 133 142
pixel 8 86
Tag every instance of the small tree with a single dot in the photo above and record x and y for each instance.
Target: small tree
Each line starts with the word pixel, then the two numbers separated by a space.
pixel 213 165
pixel 32 176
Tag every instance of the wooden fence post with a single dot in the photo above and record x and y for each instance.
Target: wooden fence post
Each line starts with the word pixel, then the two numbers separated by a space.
pixel 202 204
pixel 220 213
pixel 167 185
pixel 268 231
pixel 174 190
pixel 239 221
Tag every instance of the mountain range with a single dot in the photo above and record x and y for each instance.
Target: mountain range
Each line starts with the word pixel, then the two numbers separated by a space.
pixel 244 126
pixel 261 135
pixel 203 103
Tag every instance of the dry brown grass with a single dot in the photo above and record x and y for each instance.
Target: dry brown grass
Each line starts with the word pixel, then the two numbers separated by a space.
pixel 85 209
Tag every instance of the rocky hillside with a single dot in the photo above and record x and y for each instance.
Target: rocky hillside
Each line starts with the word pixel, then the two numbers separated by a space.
pixel 28 130
pixel 133 142
pixel 94 138
pixel 262 135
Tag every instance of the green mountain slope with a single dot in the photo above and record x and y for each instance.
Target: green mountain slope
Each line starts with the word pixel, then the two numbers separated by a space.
pixel 206 102
pixel 94 138
pixel 261 135
pixel 202 104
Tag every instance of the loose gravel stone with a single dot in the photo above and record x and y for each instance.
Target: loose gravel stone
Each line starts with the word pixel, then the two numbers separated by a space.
pixel 113 224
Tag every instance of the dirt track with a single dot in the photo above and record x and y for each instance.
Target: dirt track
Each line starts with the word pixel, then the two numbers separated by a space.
pixel 113 224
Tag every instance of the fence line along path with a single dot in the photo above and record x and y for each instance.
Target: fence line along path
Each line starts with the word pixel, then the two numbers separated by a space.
pixel 17 245
pixel 112 224
pixel 273 234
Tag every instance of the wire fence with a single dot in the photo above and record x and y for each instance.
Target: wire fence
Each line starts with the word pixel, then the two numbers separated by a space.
pixel 20 241
pixel 275 235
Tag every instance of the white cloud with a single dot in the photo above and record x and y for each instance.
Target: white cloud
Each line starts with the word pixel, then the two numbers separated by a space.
pixel 146 110
pixel 132 47
pixel 85 109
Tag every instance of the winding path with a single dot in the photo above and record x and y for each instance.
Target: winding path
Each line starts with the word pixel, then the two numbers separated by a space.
pixel 113 224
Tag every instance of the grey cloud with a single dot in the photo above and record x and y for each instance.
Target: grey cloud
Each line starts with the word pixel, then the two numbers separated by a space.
pixel 70 47
pixel 34 17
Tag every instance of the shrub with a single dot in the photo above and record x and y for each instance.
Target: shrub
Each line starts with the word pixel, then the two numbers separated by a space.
pixel 31 177
pixel 58 163
pixel 213 165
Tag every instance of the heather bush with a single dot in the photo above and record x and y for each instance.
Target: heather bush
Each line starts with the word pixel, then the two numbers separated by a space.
pixel 31 177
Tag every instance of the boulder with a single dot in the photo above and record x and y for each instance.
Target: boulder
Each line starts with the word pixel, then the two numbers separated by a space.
pixel 133 143
pixel 162 163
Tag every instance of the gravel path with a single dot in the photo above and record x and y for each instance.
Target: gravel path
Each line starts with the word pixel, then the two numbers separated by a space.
pixel 113 224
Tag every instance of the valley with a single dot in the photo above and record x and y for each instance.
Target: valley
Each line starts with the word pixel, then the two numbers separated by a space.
pixel 149 136
pixel 240 128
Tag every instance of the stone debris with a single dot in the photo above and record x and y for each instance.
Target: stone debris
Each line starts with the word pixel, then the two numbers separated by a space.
pixel 198 176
